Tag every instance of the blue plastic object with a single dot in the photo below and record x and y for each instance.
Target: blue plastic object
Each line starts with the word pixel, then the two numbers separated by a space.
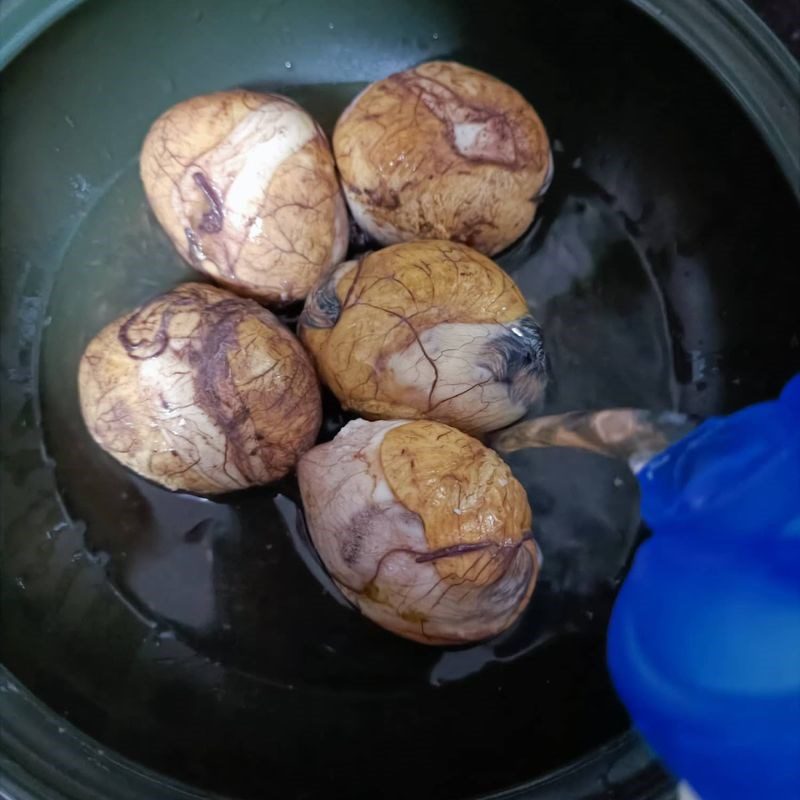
pixel 704 641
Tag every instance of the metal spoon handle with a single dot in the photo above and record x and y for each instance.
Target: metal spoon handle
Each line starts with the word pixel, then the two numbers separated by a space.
pixel 631 434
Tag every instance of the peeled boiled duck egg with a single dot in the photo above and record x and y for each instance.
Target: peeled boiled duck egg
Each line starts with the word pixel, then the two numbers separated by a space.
pixel 200 390
pixel 424 529
pixel 245 186
pixel 430 330
pixel 443 151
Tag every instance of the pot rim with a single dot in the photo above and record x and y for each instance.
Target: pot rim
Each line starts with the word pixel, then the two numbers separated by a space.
pixel 727 35
pixel 45 757
pixel 752 63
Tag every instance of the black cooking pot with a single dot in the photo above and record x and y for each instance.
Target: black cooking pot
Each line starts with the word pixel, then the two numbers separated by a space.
pixel 152 638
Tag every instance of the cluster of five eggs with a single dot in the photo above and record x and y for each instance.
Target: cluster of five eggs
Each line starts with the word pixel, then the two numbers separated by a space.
pixel 203 389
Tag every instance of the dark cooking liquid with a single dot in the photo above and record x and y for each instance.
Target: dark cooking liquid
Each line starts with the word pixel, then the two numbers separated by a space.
pixel 244 650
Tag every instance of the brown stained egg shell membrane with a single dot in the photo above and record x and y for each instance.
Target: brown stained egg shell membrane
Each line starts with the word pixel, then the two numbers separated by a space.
pixel 200 390
pixel 443 151
pixel 245 186
pixel 423 528
pixel 427 330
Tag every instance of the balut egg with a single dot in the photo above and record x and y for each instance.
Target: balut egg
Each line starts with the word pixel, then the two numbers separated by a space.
pixel 443 151
pixel 245 186
pixel 423 528
pixel 431 330
pixel 200 390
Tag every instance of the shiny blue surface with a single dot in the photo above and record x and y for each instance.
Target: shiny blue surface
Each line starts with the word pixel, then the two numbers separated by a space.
pixel 704 642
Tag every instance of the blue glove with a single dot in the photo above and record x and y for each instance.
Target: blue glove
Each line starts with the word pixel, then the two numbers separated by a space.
pixel 704 641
